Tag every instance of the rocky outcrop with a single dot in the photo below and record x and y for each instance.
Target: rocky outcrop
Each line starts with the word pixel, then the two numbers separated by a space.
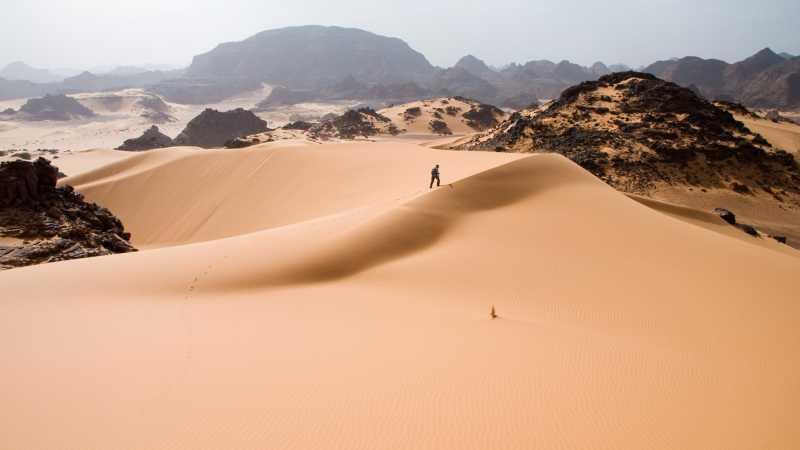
pixel 726 215
pixel 51 223
pixel 363 122
pixel 53 107
pixel 641 134
pixel 482 116
pixel 213 128
pixel 439 127
pixel 149 140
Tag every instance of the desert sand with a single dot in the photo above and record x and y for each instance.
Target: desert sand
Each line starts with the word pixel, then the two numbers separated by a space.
pixel 783 135
pixel 295 295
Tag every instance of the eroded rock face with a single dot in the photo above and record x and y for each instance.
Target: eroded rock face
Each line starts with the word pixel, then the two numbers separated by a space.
pixel 213 128
pixel 49 223
pixel 150 139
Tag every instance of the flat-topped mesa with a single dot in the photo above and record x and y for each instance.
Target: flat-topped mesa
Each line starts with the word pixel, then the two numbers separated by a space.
pixel 45 223
pixel 213 128
pixel 151 139
pixel 638 133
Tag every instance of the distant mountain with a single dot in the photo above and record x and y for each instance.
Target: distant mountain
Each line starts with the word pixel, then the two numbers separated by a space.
pixel 764 79
pixel 776 87
pixel 313 57
pixel 599 69
pixel 21 71
pixel 84 82
pixel 787 55
pixel 89 82
pixel 619 68
pixel 11 89
pixel 478 68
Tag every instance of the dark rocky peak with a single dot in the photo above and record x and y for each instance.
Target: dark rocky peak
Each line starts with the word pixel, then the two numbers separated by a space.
pixel 476 67
pixel 213 128
pixel 152 138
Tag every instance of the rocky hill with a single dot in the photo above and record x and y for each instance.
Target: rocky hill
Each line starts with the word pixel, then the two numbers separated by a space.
pixel 52 107
pixel 41 223
pixel 213 128
pixel 641 134
pixel 444 116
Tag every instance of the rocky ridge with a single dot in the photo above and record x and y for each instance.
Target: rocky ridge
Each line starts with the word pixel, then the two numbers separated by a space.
pixel 42 223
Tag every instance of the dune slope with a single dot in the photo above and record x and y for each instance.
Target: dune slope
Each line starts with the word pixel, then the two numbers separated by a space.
pixel 180 195
pixel 619 328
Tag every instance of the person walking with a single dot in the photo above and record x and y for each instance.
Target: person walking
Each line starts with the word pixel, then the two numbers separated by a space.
pixel 435 177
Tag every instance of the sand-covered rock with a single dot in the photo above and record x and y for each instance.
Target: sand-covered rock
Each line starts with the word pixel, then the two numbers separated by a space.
pixel 213 128
pixel 460 115
pixel 150 139
pixel 45 223
pixel 354 123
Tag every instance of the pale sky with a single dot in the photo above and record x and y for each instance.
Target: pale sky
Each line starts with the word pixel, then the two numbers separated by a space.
pixel 90 33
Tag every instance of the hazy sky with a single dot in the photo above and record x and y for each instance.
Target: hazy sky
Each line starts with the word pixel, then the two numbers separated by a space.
pixel 88 33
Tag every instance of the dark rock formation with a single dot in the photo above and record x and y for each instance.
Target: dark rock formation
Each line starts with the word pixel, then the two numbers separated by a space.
pixel 726 215
pixel 241 142
pixel 780 239
pixel 440 127
pixel 213 128
pixel 150 139
pixel 51 224
pixel 53 107
pixel 363 122
pixel 298 125
pixel 639 133
pixel 482 116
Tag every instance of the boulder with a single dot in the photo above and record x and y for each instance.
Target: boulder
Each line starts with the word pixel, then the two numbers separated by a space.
pixel 726 215
pixel 780 239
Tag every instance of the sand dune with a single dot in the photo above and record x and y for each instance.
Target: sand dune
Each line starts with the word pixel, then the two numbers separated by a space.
pixel 181 195
pixel 354 313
